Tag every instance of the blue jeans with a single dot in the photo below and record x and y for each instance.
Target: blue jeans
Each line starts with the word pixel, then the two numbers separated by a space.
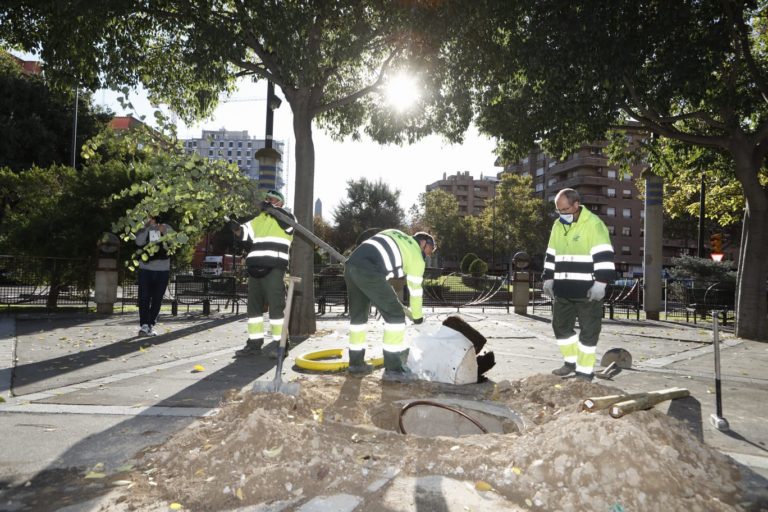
pixel 152 285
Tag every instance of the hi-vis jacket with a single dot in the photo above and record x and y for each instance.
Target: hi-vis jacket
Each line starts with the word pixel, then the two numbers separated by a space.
pixel 271 241
pixel 579 254
pixel 392 254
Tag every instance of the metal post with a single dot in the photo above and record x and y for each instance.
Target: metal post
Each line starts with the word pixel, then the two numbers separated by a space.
pixel 270 117
pixel 702 198
pixel 717 419
pixel 74 129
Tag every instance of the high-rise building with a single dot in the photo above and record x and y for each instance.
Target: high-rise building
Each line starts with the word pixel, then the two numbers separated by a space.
pixel 318 207
pixel 469 192
pixel 239 148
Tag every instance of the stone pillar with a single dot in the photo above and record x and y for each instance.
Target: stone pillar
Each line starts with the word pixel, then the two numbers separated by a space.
pixel 520 292
pixel 653 259
pixel 105 291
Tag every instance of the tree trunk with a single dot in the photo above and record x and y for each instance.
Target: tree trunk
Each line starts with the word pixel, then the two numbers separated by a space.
pixel 302 322
pixel 751 300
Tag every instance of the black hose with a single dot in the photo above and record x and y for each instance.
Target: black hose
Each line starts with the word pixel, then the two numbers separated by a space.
pixel 442 406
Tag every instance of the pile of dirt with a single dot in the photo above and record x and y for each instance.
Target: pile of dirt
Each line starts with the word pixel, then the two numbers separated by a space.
pixel 340 436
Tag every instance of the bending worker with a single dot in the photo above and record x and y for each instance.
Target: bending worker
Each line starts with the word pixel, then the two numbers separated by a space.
pixel 266 264
pixel 388 254
pixel 577 268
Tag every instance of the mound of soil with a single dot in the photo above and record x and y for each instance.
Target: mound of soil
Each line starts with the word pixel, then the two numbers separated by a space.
pixel 340 436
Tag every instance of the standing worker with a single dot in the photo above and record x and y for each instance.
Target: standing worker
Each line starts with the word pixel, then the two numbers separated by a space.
pixel 266 263
pixel 386 255
pixel 153 273
pixel 577 268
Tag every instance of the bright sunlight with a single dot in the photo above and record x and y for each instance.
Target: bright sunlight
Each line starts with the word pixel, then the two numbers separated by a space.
pixel 402 91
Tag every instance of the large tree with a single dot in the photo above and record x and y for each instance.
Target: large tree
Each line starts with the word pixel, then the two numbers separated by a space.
pixel 36 121
pixel 369 205
pixel 326 57
pixel 438 213
pixel 565 72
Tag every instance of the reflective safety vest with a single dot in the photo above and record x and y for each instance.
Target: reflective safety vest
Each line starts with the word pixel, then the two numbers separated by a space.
pixel 579 254
pixel 271 241
pixel 392 254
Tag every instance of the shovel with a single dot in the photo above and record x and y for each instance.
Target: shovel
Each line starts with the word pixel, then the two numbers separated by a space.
pixel 277 385
pixel 613 361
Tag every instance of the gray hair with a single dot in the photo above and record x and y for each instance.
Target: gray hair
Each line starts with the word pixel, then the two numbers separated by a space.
pixel 569 194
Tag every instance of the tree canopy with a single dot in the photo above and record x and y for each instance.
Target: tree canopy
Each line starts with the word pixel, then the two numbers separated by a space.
pixel 369 204
pixel 565 73
pixel 326 57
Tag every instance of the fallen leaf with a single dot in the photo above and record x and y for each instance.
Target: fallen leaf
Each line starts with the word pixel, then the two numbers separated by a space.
pixel 198 368
pixel 94 474
pixel 272 452
pixel 239 493
pixel 517 470
pixel 483 486
pixel 175 506
pixel 118 483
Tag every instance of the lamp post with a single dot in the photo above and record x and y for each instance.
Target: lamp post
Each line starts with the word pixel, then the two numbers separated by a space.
pixel 267 156
pixel 74 128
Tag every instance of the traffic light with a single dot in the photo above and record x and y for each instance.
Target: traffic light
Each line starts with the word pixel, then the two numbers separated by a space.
pixel 716 243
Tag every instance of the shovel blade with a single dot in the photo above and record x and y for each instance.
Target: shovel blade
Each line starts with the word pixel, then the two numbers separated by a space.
pixel 620 356
pixel 276 386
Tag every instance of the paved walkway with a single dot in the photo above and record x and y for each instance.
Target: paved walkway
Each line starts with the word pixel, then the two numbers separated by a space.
pixel 82 390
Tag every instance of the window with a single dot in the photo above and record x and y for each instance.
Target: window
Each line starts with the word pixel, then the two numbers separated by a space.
pixel 210 152
pixel 610 192
pixel 239 153
pixel 229 152
pixel 626 213
pixel 626 177
pixel 540 171
pixel 239 143
pixel 231 144
pixel 626 193
pixel 552 163
pixel 625 250
pixel 611 230
pixel 249 144
pixel 611 173
pixel 642 231
pixel 596 151
pixel 626 231
pixel 610 211
pixel 551 181
pixel 642 214
pixel 539 187
pixel 248 162
pixel 221 143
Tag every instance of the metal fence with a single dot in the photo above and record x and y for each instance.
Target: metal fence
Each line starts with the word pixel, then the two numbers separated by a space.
pixel 48 282
pixel 62 282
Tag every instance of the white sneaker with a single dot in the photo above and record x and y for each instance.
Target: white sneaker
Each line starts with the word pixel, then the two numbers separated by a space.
pixel 145 330
pixel 152 331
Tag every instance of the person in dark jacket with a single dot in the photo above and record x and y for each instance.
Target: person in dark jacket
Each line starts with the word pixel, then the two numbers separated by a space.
pixel 154 270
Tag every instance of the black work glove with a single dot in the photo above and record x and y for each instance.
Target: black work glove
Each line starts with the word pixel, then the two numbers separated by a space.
pixel 418 320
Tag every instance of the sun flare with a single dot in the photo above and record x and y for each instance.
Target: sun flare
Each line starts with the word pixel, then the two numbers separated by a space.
pixel 402 91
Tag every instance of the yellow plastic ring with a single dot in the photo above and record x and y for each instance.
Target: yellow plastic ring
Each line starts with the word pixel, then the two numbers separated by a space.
pixel 318 360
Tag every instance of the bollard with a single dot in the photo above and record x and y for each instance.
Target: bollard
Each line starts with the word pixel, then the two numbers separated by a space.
pixel 717 419
pixel 207 307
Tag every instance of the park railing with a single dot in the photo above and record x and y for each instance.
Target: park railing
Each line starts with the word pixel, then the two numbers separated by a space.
pixel 48 282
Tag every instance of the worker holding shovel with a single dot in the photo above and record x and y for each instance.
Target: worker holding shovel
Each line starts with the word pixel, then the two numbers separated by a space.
pixel 266 263
pixel 386 255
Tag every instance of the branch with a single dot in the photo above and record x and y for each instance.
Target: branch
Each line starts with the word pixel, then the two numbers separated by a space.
pixel 742 39
pixel 361 92
pixel 661 125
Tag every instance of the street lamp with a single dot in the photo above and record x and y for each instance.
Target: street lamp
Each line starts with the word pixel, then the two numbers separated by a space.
pixel 267 156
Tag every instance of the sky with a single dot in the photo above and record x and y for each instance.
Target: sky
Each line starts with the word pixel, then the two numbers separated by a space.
pixel 408 169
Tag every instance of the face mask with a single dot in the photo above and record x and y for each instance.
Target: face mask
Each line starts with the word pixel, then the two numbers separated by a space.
pixel 566 218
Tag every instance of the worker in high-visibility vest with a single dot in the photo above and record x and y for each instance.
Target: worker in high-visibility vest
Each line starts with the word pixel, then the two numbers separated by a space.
pixel 386 255
pixel 266 263
pixel 577 269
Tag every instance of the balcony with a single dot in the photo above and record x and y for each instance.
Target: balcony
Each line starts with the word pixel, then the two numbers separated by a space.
pixel 574 182
pixel 582 161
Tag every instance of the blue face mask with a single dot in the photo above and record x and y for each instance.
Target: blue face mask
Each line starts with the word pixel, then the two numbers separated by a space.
pixel 566 218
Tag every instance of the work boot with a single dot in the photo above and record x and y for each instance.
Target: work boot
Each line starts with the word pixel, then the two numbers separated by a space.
pixel 585 377
pixel 565 370
pixel 357 365
pixel 395 369
pixel 272 352
pixel 251 347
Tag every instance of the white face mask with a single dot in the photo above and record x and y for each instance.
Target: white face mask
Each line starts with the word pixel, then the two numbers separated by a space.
pixel 566 218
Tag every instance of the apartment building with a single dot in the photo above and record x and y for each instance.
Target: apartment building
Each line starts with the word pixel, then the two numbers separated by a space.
pixel 471 193
pixel 239 148
pixel 603 189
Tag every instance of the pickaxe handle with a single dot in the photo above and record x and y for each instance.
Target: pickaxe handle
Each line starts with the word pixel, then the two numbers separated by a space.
pixel 307 233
